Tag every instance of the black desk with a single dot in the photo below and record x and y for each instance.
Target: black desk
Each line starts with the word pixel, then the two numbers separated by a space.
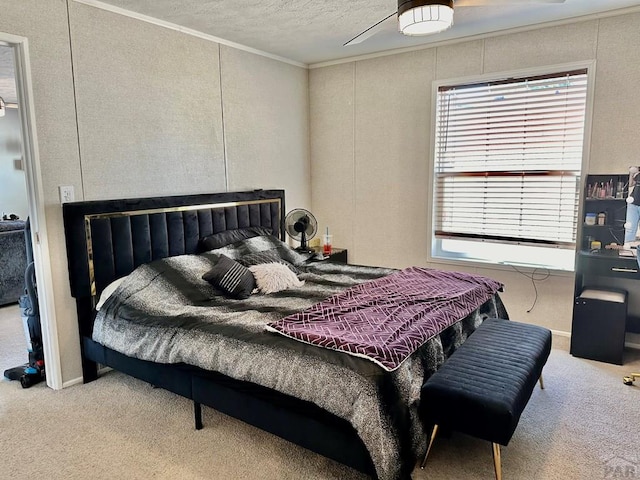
pixel 607 269
pixel 338 255
pixel 607 263
pixel 598 327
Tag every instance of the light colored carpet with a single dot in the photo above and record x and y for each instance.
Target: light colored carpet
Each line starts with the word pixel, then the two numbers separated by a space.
pixel 584 425
pixel 13 347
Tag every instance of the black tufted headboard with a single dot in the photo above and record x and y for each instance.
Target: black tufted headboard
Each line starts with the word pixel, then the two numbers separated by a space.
pixel 108 239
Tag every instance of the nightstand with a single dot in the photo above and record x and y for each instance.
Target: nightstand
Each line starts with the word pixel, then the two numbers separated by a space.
pixel 338 255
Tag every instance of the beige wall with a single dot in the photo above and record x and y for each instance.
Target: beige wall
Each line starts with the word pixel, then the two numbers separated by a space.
pixel 266 124
pixel 149 107
pixel 160 112
pixel 45 25
pixel 152 119
pixel 371 140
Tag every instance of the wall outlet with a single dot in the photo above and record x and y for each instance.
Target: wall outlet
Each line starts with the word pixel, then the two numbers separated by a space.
pixel 66 193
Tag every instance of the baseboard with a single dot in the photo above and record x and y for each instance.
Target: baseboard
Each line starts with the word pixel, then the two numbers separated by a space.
pixel 560 333
pixel 71 383
pixel 78 380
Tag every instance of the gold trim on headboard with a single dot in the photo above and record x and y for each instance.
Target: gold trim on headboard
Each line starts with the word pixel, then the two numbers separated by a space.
pixel 149 211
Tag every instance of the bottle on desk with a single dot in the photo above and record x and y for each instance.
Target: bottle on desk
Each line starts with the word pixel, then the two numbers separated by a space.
pixel 326 243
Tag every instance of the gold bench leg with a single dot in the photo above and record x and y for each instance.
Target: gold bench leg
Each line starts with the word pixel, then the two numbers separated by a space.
pixel 433 437
pixel 541 383
pixel 628 380
pixel 497 464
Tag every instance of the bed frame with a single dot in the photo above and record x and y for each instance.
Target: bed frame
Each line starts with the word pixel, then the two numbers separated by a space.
pixel 109 239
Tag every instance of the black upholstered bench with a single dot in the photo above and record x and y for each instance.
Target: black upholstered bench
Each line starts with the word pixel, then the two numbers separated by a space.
pixel 484 386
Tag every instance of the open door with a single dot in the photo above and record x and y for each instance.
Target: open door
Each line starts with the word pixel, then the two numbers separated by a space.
pixel 35 200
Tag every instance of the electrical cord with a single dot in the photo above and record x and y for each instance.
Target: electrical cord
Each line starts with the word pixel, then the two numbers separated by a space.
pixel 615 237
pixel 532 276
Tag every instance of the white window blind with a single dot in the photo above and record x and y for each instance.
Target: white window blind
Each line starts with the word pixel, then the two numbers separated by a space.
pixel 508 159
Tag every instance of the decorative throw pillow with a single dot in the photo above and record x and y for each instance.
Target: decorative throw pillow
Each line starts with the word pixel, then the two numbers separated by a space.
pixel 221 239
pixel 231 277
pixel 266 256
pixel 274 277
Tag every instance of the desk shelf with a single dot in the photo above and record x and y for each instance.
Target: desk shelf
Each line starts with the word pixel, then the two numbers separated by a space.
pixel 614 209
pixel 598 328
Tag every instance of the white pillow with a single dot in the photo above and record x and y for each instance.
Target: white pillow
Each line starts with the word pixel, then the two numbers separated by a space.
pixel 274 277
pixel 108 291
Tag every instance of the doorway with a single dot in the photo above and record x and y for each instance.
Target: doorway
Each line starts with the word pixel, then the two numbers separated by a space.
pixel 17 81
pixel 14 210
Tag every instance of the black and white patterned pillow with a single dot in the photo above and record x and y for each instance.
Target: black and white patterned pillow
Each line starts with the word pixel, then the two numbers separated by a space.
pixel 231 277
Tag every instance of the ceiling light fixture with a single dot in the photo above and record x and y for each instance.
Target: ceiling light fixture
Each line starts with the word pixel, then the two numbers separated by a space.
pixel 424 17
pixel 3 107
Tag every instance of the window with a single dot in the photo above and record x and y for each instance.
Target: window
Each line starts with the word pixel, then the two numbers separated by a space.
pixel 508 158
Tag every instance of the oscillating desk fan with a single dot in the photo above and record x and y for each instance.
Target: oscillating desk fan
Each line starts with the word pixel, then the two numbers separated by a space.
pixel 302 226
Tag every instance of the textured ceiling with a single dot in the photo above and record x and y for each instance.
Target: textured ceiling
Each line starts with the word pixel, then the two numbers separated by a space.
pixel 313 31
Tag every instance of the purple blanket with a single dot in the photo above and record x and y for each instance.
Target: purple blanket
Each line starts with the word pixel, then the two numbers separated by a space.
pixel 387 319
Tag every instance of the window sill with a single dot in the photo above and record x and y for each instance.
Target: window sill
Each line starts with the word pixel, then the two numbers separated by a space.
pixel 509 267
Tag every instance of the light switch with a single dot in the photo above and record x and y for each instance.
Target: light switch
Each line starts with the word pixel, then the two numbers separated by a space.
pixel 66 194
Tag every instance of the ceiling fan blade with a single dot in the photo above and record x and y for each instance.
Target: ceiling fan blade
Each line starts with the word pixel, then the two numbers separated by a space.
pixel 484 3
pixel 369 32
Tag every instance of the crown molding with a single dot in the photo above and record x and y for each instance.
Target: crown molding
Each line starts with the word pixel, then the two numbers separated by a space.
pixel 187 31
pixel 480 36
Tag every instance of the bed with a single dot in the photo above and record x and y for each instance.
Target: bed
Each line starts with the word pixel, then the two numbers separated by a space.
pixel 343 406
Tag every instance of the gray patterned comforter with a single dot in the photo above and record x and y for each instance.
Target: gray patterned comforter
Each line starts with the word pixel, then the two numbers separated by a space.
pixel 164 312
